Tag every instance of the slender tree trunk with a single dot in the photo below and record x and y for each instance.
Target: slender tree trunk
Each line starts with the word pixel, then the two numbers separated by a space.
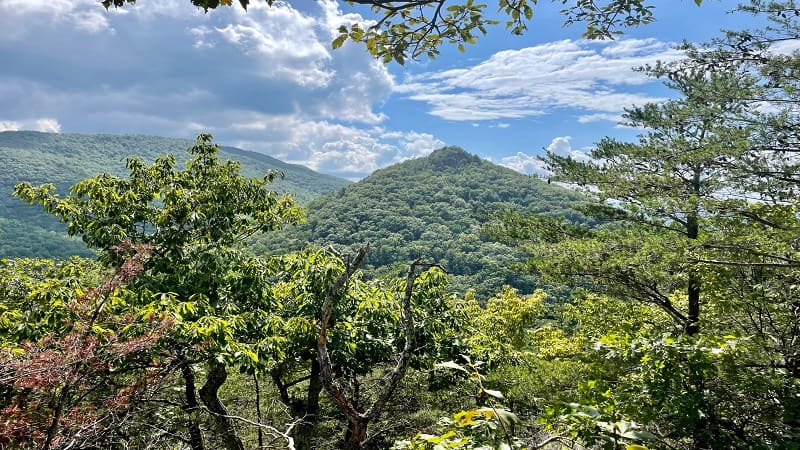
pixel 692 325
pixel 259 416
pixel 701 435
pixel 693 317
pixel 209 393
pixel 304 432
pixel 191 407
pixel 58 409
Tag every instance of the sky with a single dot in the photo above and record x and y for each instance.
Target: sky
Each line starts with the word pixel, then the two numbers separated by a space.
pixel 268 80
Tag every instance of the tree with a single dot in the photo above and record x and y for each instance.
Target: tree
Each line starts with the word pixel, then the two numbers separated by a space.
pixel 194 224
pixel 78 364
pixel 414 28
pixel 691 218
pixel 660 200
pixel 359 415
pixel 365 323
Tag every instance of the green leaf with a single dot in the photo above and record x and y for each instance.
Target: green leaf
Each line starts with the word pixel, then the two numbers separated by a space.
pixel 338 41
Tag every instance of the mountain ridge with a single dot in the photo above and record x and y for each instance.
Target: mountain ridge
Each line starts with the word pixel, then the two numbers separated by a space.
pixel 431 207
pixel 65 158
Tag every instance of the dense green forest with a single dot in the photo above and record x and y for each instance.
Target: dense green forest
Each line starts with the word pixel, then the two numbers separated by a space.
pixel 432 208
pixel 682 262
pixel 63 159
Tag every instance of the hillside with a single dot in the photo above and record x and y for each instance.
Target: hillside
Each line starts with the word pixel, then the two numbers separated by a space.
pixel 64 159
pixel 432 208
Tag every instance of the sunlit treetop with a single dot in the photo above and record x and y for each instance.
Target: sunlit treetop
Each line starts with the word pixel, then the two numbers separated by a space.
pixel 417 28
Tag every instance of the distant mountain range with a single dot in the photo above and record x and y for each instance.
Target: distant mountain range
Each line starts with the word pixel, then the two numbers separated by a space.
pixel 63 159
pixel 431 208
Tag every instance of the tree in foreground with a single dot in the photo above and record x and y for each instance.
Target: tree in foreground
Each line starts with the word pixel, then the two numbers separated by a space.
pixel 698 224
pixel 77 364
pixel 149 350
pixel 193 224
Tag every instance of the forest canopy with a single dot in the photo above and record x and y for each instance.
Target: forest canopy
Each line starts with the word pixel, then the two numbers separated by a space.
pixel 680 330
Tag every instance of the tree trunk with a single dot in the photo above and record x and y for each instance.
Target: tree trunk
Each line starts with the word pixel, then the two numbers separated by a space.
pixel 356 433
pixel 693 314
pixel 692 325
pixel 191 407
pixel 209 393
pixel 701 435
pixel 304 432
pixel 259 415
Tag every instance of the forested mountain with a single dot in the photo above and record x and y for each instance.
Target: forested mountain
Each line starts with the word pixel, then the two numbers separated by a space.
pixel 63 159
pixel 431 208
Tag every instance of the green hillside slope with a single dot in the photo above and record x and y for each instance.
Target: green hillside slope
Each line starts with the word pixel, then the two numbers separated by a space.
pixel 64 159
pixel 431 208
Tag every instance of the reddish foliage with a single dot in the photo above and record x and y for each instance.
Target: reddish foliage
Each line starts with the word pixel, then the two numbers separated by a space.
pixel 80 386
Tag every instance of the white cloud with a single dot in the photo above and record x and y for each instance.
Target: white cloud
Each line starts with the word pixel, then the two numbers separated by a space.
pixel 266 79
pixel 524 163
pixel 10 125
pixel 562 146
pixel 44 124
pixel 420 144
pixel 786 47
pixel 597 117
pixel 16 16
pixel 532 165
pixel 283 38
pixel 47 125
pixel 589 76
pixel 347 151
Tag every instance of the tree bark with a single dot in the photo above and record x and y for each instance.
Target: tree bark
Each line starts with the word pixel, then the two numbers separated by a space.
pixel 304 432
pixel 191 407
pixel 209 393
pixel 259 416
pixel 701 435
pixel 356 433
pixel 692 325
pixel 358 421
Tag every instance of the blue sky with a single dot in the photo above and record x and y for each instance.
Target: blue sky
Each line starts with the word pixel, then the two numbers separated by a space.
pixel 267 80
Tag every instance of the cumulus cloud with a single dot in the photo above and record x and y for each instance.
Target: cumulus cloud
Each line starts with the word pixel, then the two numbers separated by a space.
pixel 587 76
pixel 266 79
pixel 349 151
pixel 44 124
pixel 10 125
pixel 562 146
pixel 284 40
pixel 532 165
pixel 47 125
pixel 17 16
pixel 420 144
pixel 524 163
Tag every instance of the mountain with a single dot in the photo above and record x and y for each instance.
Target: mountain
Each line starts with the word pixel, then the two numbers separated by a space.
pixel 63 159
pixel 432 208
